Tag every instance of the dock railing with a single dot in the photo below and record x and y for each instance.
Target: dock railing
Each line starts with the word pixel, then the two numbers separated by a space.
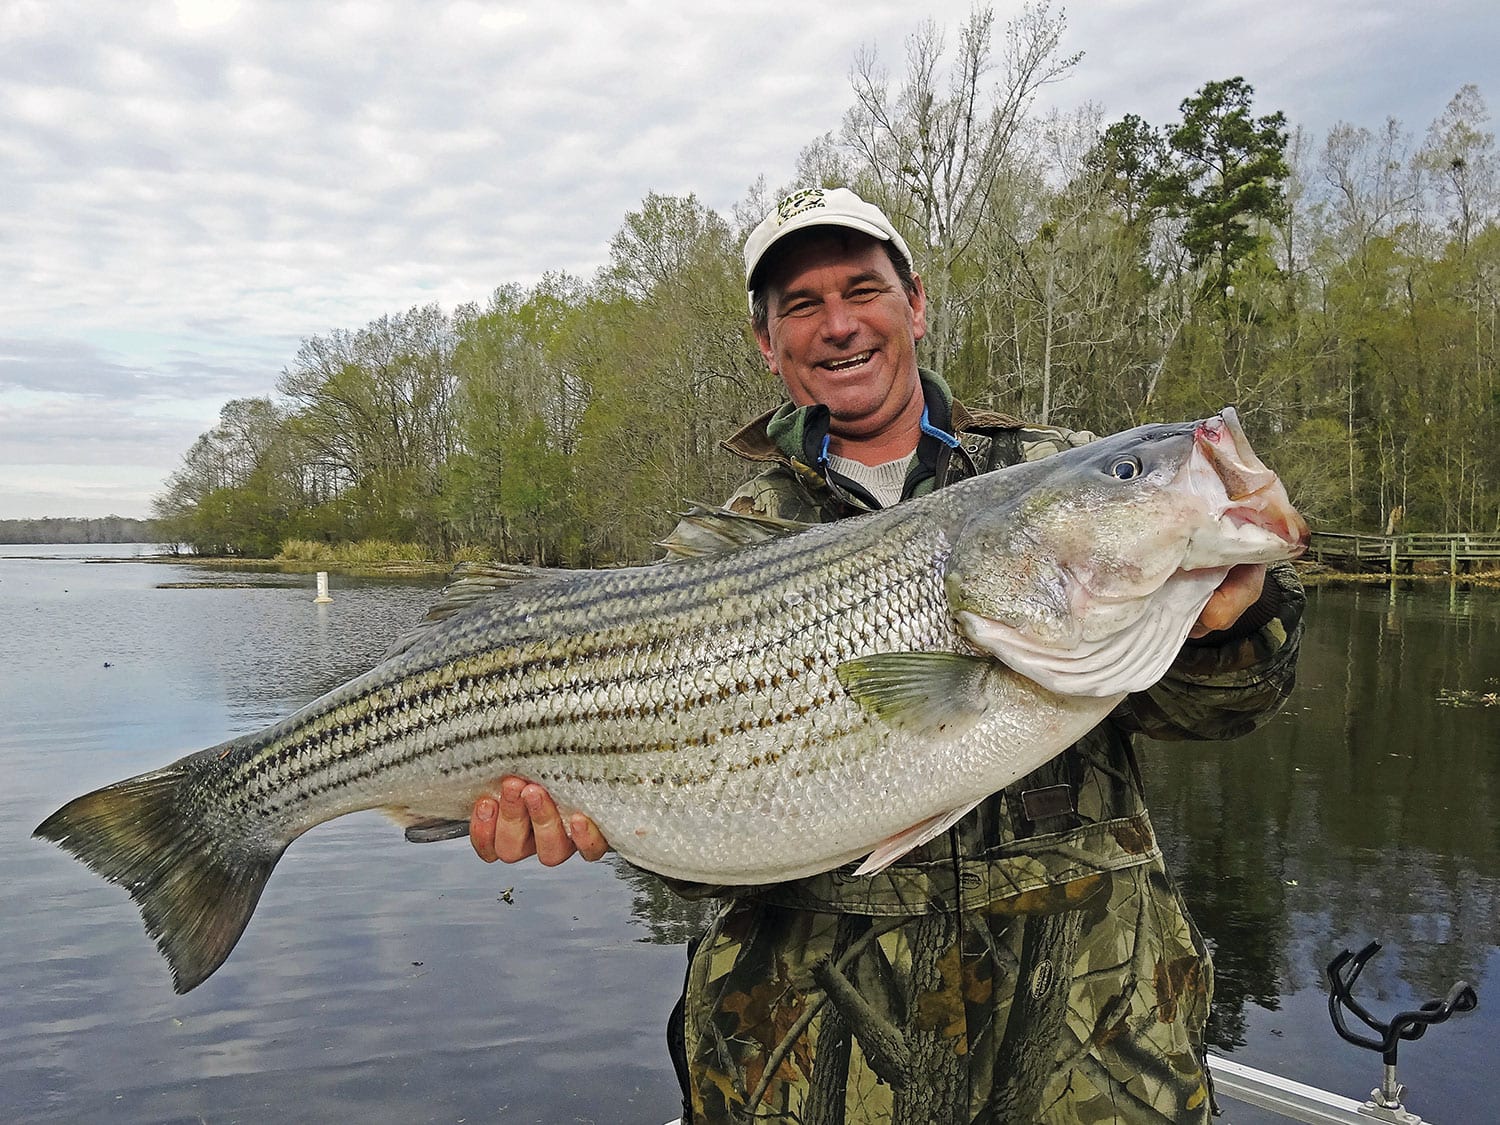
pixel 1456 553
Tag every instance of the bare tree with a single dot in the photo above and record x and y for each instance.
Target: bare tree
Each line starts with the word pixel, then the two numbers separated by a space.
pixel 937 145
pixel 1460 156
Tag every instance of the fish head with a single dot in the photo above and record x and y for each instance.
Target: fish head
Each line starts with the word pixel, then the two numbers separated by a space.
pixel 1091 568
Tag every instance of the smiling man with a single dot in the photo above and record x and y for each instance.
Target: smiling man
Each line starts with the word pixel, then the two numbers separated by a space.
pixel 840 328
pixel 1035 963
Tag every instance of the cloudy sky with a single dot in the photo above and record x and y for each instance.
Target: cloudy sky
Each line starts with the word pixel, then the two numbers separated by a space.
pixel 188 189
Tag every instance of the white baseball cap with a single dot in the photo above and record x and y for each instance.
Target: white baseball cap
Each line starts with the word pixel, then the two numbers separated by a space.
pixel 819 207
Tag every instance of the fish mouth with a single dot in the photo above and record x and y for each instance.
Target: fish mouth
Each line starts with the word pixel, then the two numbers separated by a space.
pixel 1249 494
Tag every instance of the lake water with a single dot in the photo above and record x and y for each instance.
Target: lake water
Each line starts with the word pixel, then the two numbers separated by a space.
pixel 383 982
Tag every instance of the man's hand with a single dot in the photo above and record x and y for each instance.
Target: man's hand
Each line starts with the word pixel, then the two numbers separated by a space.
pixel 1240 590
pixel 524 821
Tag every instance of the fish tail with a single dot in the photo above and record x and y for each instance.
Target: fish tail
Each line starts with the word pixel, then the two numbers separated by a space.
pixel 196 887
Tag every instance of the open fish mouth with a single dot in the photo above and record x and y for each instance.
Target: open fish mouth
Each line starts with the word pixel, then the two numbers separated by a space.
pixel 1238 486
pixel 1113 608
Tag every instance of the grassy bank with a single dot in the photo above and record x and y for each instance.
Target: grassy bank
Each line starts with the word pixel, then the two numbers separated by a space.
pixel 367 554
pixel 371 556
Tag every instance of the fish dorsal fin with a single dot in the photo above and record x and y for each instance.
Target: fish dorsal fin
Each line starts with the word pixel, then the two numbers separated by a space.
pixel 930 693
pixel 707 530
pixel 895 847
pixel 469 585
pixel 1130 659
pixel 702 530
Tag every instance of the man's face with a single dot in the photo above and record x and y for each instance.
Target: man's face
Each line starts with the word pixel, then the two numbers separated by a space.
pixel 841 330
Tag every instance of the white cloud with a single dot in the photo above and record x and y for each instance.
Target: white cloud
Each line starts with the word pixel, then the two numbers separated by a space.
pixel 191 187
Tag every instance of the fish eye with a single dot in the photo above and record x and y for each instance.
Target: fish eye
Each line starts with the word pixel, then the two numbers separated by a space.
pixel 1126 468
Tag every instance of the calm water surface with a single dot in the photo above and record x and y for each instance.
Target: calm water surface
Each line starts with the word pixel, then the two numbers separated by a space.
pixel 384 982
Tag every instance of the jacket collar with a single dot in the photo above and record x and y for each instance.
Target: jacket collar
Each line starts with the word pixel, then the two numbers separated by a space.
pixel 797 438
pixel 787 432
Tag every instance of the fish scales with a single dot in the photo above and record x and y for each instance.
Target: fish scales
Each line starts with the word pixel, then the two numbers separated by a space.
pixel 743 718
pixel 607 687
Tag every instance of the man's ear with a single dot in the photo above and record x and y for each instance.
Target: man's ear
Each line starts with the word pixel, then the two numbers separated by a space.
pixel 917 298
pixel 763 341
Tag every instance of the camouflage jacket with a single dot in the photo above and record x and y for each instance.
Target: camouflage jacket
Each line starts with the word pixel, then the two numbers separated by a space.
pixel 1037 963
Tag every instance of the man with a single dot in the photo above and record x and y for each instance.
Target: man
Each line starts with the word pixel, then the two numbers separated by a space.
pixel 1036 963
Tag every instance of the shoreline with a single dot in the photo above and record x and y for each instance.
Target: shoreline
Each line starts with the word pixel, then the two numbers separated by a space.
pixel 403 568
pixel 1311 573
pixel 1317 574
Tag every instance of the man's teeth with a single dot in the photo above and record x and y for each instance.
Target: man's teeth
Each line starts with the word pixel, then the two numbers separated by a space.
pixel 845 364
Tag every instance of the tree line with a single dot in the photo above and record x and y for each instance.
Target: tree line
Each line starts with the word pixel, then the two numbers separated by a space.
pixel 103 529
pixel 1342 292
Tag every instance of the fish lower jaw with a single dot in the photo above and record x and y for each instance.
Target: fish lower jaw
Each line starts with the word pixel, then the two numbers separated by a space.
pixel 1245 537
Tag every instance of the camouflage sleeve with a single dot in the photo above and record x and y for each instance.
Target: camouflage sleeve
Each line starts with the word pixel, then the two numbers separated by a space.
pixel 1227 683
pixel 780 492
pixel 1043 441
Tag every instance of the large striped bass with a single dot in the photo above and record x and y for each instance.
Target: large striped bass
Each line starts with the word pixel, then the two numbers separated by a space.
pixel 743 718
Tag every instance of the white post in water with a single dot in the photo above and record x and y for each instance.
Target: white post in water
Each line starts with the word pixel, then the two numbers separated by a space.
pixel 322 597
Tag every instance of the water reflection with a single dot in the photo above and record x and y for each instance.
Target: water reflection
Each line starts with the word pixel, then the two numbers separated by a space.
pixel 669 919
pixel 1367 810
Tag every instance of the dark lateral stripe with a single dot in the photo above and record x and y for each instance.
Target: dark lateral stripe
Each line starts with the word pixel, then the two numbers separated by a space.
pixel 335 739
pixel 832 733
pixel 324 746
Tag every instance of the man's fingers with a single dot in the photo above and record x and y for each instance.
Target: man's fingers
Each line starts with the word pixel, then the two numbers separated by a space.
pixel 587 838
pixel 513 835
pixel 522 820
pixel 1240 590
pixel 551 838
pixel 482 828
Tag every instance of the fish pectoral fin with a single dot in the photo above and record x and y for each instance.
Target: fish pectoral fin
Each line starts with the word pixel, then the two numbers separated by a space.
pixel 918 834
pixel 431 829
pixel 930 693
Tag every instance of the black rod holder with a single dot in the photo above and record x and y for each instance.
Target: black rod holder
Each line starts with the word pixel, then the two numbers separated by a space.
pixel 1343 971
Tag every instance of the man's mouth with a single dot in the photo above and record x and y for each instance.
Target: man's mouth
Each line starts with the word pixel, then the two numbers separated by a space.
pixel 847 364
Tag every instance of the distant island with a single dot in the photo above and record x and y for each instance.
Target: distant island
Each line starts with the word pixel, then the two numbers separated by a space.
pixel 105 529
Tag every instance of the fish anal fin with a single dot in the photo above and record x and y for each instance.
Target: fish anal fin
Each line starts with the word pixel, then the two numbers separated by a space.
pixel 429 829
pixel 939 694
pixel 895 847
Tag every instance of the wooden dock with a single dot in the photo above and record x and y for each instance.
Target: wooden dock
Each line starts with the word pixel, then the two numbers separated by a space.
pixel 1459 553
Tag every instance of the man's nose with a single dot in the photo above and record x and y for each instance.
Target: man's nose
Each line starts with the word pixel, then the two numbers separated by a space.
pixel 839 321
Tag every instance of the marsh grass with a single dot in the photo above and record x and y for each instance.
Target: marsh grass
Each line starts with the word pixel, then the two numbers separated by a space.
pixel 366 552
